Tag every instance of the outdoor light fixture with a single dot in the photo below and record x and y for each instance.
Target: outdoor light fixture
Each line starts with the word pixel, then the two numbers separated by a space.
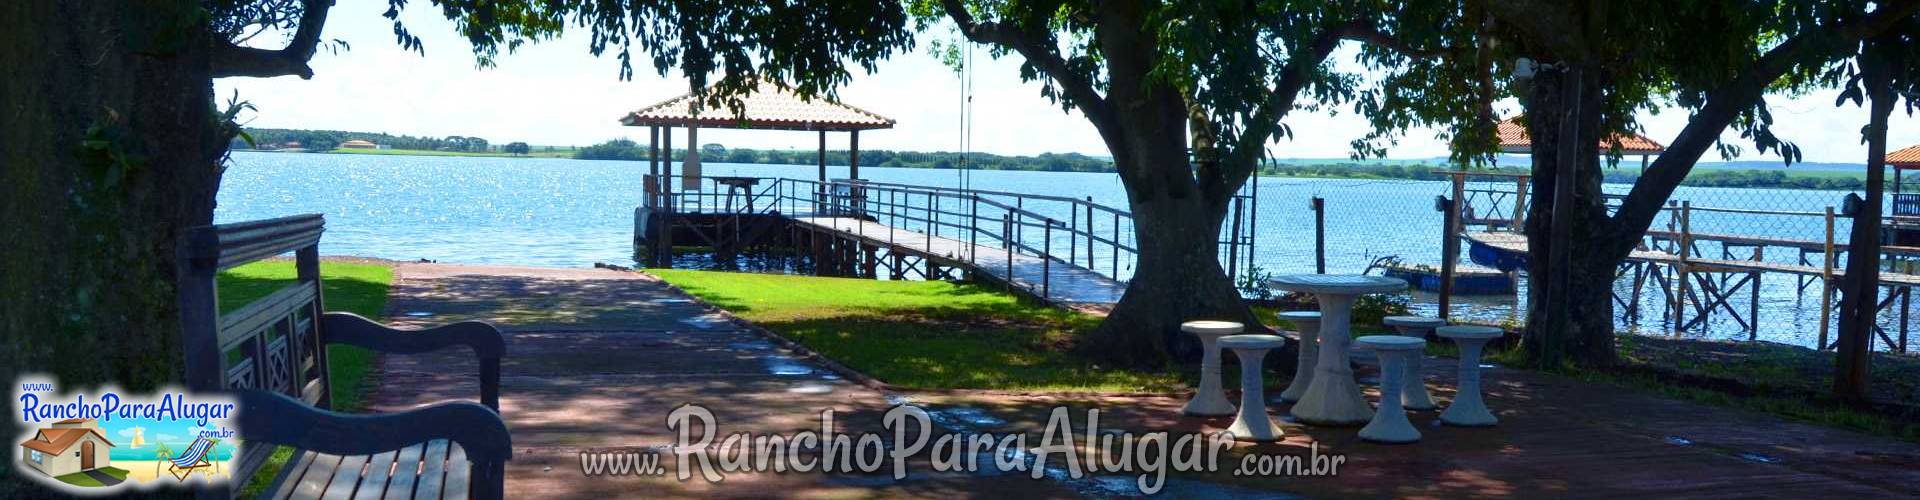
pixel 1851 205
pixel 1523 69
pixel 1440 203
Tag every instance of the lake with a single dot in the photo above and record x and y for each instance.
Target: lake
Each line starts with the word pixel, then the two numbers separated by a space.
pixel 570 213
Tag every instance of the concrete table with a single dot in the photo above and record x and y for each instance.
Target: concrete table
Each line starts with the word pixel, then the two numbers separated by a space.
pixel 1210 400
pixel 1390 424
pixel 1468 409
pixel 1333 398
pixel 1309 323
pixel 1414 391
pixel 1253 424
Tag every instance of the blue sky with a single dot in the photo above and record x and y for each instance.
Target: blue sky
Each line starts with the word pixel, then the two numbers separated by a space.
pixel 555 93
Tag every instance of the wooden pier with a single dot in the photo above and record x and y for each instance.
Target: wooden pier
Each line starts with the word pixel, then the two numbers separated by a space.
pixel 1064 251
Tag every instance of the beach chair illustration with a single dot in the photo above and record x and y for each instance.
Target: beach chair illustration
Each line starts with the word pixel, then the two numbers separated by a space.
pixel 193 459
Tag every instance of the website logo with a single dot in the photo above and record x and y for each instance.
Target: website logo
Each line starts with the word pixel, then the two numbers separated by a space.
pixel 108 441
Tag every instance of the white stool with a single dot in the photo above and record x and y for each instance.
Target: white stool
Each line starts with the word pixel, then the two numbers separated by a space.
pixel 1414 393
pixel 1468 410
pixel 1253 424
pixel 1390 424
pixel 1309 323
pixel 1210 400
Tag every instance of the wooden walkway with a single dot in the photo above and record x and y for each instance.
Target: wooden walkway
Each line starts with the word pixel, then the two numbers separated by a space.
pixel 1517 243
pixel 1052 280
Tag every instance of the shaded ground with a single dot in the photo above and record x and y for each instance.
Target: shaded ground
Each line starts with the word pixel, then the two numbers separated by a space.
pixel 596 359
pixel 1766 367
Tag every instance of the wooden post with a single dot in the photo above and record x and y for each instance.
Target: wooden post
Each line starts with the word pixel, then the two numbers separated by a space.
pixel 1753 296
pixel 1089 206
pixel 690 164
pixel 1680 269
pixel 1519 204
pixel 1859 306
pixel 1449 252
pixel 1826 285
pixel 823 159
pixel 1046 261
pixel 653 150
pixel 1560 234
pixel 1319 206
pixel 853 155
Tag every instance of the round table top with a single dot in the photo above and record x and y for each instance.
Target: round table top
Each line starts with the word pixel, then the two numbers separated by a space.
pixel 1339 284
pixel 1390 342
pixel 1413 321
pixel 1212 327
pixel 1252 341
pixel 1299 315
pixel 1469 332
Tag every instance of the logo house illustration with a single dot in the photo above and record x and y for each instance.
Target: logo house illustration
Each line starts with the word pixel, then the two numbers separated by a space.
pixel 70 446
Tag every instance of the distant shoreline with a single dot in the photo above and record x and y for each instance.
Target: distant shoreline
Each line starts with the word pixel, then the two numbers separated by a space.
pixel 1703 176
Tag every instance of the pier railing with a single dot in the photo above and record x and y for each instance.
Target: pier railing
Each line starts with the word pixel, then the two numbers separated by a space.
pixel 1067 230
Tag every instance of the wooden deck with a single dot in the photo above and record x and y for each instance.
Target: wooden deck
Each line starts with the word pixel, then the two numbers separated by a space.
pixel 1511 242
pixel 1056 281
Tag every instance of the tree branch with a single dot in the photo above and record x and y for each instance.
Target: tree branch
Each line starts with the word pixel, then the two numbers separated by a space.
pixel 1266 121
pixel 1724 104
pixel 1038 49
pixel 233 60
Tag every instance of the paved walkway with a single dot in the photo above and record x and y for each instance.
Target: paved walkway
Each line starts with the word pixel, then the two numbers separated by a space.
pixel 596 359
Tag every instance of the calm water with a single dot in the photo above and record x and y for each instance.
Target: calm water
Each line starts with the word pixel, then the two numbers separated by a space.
pixel 571 213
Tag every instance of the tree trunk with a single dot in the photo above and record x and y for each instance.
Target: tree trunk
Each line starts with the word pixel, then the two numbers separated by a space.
pixel 1588 336
pixel 109 146
pixel 1178 278
pixel 1860 297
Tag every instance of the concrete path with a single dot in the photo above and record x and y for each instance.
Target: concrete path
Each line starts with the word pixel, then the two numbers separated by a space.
pixel 595 361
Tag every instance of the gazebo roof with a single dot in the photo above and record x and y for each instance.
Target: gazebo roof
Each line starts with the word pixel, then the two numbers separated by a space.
pixel 1513 139
pixel 768 107
pixel 1905 159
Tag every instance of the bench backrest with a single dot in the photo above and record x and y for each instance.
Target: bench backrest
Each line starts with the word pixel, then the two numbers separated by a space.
pixel 270 344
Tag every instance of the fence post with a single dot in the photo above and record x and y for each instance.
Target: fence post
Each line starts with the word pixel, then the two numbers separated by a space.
pixel 1449 250
pixel 1826 284
pixel 1686 246
pixel 1046 261
pixel 973 228
pixel 1116 246
pixel 1007 229
pixel 1073 244
pixel 1090 241
pixel 1319 234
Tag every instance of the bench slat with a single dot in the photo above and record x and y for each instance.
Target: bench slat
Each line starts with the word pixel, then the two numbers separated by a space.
pixel 459 473
pixel 346 477
pixel 289 476
pixel 406 472
pixel 433 470
pixel 314 482
pixel 374 483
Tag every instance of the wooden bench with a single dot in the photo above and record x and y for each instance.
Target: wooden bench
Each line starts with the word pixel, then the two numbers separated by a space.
pixel 271 355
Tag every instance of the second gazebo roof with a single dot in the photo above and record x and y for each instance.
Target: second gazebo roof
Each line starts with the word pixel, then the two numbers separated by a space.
pixel 768 107
pixel 1513 139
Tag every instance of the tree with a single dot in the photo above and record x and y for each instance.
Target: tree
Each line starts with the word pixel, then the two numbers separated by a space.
pixel 1159 80
pixel 517 148
pixel 113 144
pixel 1601 61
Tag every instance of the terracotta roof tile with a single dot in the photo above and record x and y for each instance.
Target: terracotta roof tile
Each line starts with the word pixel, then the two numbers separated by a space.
pixel 56 441
pixel 768 107
pixel 1905 158
pixel 1513 139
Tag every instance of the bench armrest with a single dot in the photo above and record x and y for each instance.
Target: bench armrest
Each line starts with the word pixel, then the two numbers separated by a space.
pixel 486 341
pixel 266 417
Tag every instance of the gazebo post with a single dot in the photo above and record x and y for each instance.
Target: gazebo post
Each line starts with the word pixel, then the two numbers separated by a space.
pixel 823 157
pixel 690 165
pixel 666 163
pixel 853 156
pixel 653 150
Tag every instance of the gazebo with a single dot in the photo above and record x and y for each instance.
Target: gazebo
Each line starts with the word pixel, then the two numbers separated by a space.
pixel 769 107
pixel 1901 161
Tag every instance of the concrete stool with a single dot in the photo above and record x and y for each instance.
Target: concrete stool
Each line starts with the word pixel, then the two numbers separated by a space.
pixel 1309 323
pixel 1468 410
pixel 1390 424
pixel 1210 400
pixel 1253 424
pixel 1414 393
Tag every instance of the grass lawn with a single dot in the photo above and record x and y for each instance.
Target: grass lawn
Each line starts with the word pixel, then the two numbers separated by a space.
pixel 921 334
pixel 356 288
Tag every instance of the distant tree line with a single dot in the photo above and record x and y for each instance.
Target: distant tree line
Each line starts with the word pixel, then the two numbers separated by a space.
pixel 1741 178
pixel 324 140
pixel 622 149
